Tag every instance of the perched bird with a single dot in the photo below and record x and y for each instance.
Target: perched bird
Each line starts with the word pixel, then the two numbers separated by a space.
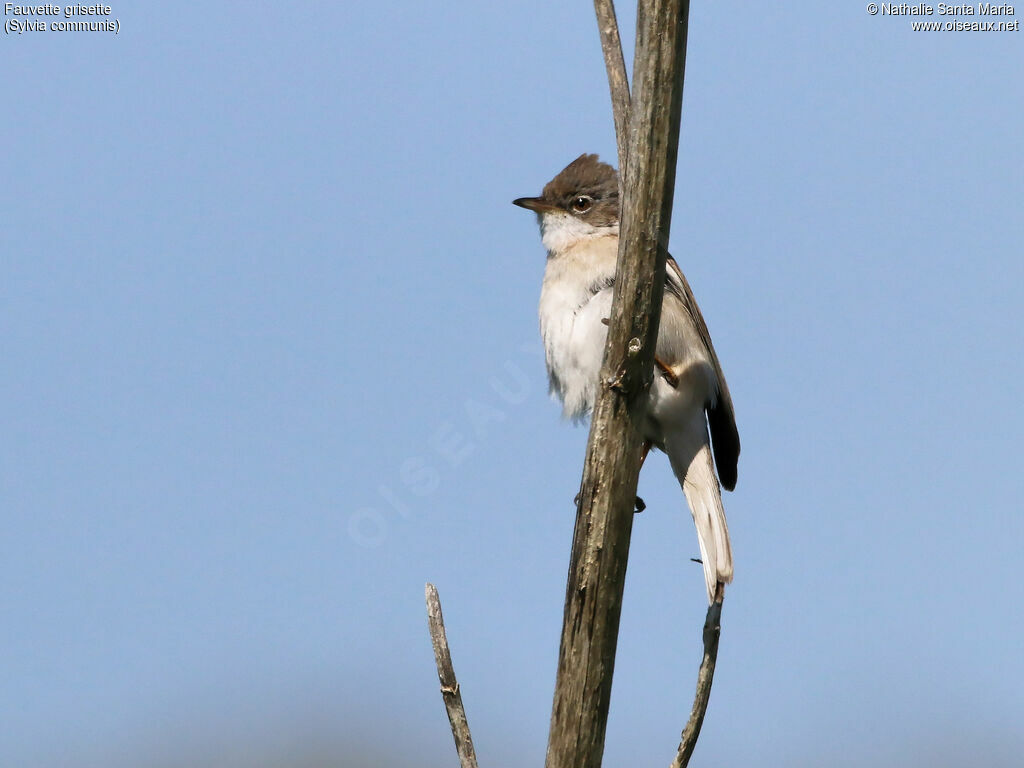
pixel 578 212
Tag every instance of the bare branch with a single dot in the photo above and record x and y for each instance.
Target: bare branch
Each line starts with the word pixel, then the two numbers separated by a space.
pixel 618 82
pixel 604 518
pixel 705 677
pixel 449 685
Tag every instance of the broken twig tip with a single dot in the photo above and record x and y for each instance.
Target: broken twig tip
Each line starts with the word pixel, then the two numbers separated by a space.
pixel 449 685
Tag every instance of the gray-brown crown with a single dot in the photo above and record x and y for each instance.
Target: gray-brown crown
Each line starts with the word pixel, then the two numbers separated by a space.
pixel 585 174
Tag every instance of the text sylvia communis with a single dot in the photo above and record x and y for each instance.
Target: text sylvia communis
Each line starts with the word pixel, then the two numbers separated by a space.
pixel 578 213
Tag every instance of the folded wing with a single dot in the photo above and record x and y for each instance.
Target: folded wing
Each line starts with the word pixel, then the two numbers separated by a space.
pixel 725 438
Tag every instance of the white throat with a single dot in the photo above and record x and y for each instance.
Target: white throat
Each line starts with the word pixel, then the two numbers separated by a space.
pixel 561 231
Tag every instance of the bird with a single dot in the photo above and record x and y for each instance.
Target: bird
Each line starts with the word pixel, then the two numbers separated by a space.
pixel 689 413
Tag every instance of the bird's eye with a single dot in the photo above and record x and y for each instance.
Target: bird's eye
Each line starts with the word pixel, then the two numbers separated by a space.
pixel 582 204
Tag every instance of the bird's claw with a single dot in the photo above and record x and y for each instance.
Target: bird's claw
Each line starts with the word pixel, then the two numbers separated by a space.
pixel 638 505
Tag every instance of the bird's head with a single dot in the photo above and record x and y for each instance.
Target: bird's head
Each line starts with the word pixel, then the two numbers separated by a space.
pixel 581 202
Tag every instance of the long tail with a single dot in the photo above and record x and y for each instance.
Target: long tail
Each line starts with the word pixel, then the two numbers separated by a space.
pixel 703 493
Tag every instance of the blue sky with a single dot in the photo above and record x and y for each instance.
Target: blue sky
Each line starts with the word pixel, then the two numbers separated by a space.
pixel 271 362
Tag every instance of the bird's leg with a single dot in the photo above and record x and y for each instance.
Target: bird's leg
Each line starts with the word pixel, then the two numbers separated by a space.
pixel 668 373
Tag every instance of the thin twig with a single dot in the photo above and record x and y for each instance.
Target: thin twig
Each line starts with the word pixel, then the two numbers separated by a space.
pixel 712 630
pixel 618 82
pixel 449 685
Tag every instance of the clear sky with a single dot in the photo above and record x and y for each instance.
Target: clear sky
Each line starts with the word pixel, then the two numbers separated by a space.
pixel 270 362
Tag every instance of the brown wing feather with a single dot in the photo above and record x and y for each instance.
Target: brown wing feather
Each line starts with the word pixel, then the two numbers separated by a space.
pixel 725 439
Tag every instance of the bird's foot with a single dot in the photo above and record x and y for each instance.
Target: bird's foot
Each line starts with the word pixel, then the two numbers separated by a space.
pixel 638 505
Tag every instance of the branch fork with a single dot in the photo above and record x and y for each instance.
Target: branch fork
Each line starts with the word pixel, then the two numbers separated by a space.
pixel 647 134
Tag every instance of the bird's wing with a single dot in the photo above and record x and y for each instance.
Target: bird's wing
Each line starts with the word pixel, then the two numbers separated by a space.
pixel 721 417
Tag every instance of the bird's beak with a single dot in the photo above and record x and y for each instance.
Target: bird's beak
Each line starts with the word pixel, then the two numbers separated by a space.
pixel 536 204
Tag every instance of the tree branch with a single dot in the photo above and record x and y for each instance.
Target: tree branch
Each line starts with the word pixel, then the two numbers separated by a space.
pixel 604 517
pixel 705 677
pixel 449 685
pixel 618 83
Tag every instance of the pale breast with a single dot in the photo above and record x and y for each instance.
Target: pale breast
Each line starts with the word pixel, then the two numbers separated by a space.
pixel 575 298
